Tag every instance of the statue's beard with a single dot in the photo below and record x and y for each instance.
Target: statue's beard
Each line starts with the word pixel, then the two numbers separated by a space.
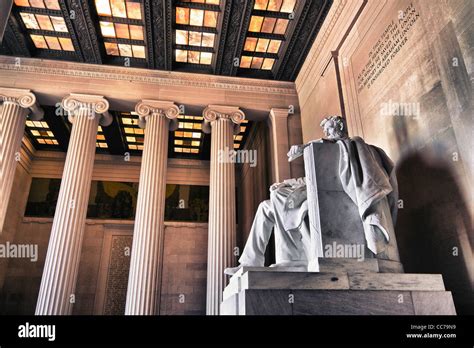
pixel 335 135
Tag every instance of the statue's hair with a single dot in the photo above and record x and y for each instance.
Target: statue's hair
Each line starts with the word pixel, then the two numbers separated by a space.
pixel 338 123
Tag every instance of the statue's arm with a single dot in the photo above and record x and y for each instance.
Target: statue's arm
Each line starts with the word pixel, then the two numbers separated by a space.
pixel 297 150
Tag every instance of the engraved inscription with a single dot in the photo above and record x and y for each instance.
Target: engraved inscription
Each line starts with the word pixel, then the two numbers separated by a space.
pixel 393 38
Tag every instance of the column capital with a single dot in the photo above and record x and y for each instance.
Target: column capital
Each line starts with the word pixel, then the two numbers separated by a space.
pixel 147 108
pixel 215 112
pixel 23 98
pixel 279 113
pixel 94 104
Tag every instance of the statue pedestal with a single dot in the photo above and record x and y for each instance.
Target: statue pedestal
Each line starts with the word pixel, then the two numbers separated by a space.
pixel 343 287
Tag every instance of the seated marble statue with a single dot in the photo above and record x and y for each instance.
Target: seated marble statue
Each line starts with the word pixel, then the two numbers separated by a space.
pixel 367 176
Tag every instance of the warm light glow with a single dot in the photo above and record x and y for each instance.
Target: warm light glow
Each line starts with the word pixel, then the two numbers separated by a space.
pixel 103 7
pixel 47 23
pixel 29 20
pixel 262 45
pixel 280 27
pixel 66 44
pixel 210 19
pixel 288 6
pixel 43 22
pixel 268 25
pixel 253 44
pixel 118 8
pixel 126 31
pixel 107 29
pixel 268 64
pixel 188 141
pixel 138 51
pixel 194 38
pixel 59 24
pixel 134 10
pixel 52 4
pixel 260 4
pixel 255 24
pixel 23 3
pixel 122 31
pixel 40 131
pixel 257 63
pixel 125 50
pixel 111 49
pixel 134 135
pixel 250 44
pixel 245 62
pixel 194 57
pixel 196 17
pixel 182 15
pixel 274 46
pixel 136 32
pixel 210 2
pixel 52 42
pixel 275 5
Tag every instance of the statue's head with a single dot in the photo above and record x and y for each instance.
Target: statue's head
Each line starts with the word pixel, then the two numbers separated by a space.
pixel 334 127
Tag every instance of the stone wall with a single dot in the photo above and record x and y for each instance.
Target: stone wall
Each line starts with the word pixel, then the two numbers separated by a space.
pixel 403 71
pixel 15 210
pixel 183 289
pixel 103 270
pixel 105 256
pixel 253 182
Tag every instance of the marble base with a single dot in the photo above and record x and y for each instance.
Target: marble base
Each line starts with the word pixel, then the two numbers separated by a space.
pixel 267 291
pixel 336 264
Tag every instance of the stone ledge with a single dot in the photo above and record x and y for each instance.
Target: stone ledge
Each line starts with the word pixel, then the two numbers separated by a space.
pixel 265 278
pixel 338 302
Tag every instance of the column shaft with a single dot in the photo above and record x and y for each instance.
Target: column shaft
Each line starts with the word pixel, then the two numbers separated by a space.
pixel 278 122
pixel 147 250
pixel 222 228
pixel 12 127
pixel 58 283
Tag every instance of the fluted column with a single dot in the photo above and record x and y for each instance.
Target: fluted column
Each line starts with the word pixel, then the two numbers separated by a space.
pixel 17 105
pixel 223 122
pixel 143 291
pixel 56 295
pixel 278 122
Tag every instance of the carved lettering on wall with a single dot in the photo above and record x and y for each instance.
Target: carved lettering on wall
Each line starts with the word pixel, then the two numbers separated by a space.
pixel 393 38
pixel 117 276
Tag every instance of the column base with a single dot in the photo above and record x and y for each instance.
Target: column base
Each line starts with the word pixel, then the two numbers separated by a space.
pixel 267 291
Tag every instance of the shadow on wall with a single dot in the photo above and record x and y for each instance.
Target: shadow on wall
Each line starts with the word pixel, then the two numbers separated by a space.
pixel 434 222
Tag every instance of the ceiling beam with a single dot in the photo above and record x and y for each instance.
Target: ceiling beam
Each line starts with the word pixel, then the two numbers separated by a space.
pixel 312 18
pixel 14 39
pixel 79 16
pixel 233 40
pixel 150 43
pixel 113 137
pixel 161 22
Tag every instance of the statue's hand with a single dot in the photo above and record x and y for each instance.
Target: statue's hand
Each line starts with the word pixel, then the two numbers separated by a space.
pixel 295 152
pixel 275 186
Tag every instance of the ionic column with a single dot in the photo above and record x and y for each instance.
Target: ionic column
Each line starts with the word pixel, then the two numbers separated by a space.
pixel 223 122
pixel 143 291
pixel 56 295
pixel 278 122
pixel 17 105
